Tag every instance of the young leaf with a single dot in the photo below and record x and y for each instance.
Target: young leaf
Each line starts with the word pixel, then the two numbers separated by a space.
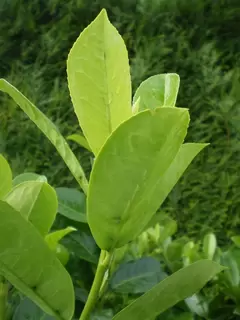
pixel 29 265
pixel 28 176
pixel 160 90
pixel 50 131
pixel 134 159
pixel 138 276
pixel 72 204
pixel 99 80
pixel 37 202
pixel 209 245
pixel 54 237
pixel 170 291
pixel 80 140
pixel 5 177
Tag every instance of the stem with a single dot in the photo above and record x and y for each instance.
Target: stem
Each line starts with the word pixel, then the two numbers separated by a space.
pixel 3 298
pixel 102 267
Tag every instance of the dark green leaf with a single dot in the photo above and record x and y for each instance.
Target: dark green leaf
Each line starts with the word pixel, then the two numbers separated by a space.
pixel 72 204
pixel 167 293
pixel 137 276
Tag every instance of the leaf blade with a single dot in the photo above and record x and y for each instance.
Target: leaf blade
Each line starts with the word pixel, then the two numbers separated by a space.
pixel 170 291
pixel 49 130
pixel 98 62
pixel 72 204
pixel 137 172
pixel 27 263
pixel 160 90
pixel 36 201
pixel 5 177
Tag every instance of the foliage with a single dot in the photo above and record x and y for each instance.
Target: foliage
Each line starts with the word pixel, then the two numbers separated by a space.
pixel 197 39
pixel 136 150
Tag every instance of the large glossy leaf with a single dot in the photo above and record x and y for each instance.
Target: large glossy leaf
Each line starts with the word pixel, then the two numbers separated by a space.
pixel 28 263
pixel 36 201
pixel 127 175
pixel 5 177
pixel 99 80
pixel 28 176
pixel 72 204
pixel 167 293
pixel 50 131
pixel 138 276
pixel 158 91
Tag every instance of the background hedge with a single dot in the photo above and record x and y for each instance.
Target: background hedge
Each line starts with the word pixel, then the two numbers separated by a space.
pixel 197 39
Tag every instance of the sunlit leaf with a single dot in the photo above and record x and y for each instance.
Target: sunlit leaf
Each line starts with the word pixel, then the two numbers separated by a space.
pixel 160 90
pixel 99 80
pixel 50 131
pixel 28 176
pixel 126 181
pixel 36 201
pixel 80 140
pixel 54 237
pixel 28 263
pixel 182 284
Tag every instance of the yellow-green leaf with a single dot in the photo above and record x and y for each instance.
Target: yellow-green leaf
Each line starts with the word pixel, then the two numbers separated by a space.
pixel 30 266
pixel 5 177
pixel 99 80
pixel 160 90
pixel 127 174
pixel 50 131
pixel 36 201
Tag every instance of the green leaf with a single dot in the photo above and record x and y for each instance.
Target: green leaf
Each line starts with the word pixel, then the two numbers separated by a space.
pixel 50 131
pixel 80 139
pixel 167 293
pixel 209 245
pixel 37 202
pixel 54 237
pixel 138 276
pixel 29 265
pixel 160 90
pixel 232 274
pixel 99 80
pixel 5 177
pixel 126 181
pixel 28 176
pixel 72 204
pixel 83 246
pixel 28 310
pixel 236 240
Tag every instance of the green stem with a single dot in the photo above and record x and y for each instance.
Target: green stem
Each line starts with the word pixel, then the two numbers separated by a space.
pixel 3 298
pixel 102 267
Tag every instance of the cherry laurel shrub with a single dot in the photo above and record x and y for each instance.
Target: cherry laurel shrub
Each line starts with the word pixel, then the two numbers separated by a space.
pixel 139 156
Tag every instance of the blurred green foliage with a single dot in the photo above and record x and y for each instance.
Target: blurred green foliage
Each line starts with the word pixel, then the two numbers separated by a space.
pixel 197 39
